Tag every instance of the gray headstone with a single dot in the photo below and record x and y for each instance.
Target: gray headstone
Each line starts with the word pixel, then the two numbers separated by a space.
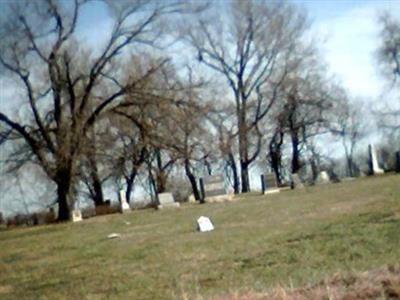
pixel 271 186
pixel 296 182
pixel 374 168
pixel 166 200
pixel 214 189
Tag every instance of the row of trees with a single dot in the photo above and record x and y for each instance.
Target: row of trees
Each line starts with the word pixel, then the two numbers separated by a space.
pixel 107 115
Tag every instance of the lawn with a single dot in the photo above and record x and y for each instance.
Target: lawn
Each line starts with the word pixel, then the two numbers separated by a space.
pixel 291 239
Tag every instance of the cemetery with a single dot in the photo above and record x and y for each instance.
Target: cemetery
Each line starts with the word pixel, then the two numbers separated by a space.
pixel 210 249
pixel 223 150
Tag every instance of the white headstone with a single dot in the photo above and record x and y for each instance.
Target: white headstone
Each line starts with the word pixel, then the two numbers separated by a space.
pixel 76 215
pixel 204 224
pixel 124 204
pixel 191 199
pixel 166 200
pixel 374 161
pixel 323 177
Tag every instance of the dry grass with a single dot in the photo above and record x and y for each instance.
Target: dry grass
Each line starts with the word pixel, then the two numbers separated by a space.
pixel 291 240
pixel 383 283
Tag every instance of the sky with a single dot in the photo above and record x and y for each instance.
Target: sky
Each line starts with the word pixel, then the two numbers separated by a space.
pixel 348 28
pixel 352 36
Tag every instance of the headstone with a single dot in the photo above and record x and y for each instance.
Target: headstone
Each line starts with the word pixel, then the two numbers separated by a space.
pixel 374 168
pixel 124 204
pixel 214 189
pixel 270 184
pixel 398 161
pixel 204 224
pixel 191 199
pixel 166 201
pixel 76 215
pixel 323 177
pixel 296 182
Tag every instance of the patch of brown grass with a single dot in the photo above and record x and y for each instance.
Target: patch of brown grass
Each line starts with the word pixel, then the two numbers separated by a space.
pixel 382 283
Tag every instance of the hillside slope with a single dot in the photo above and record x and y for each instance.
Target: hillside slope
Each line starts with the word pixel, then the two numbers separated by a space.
pixel 290 239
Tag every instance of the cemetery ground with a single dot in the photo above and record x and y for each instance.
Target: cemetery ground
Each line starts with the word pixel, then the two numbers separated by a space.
pixel 276 244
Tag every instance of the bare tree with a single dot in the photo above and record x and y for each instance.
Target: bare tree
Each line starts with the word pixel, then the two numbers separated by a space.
pixel 388 56
pixel 65 97
pixel 250 47
pixel 347 124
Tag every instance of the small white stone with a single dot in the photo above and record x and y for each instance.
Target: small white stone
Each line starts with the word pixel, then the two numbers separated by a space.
pixel 113 236
pixel 204 224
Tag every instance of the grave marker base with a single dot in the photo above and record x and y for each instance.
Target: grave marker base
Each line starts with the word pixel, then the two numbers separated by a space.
pixel 272 191
pixel 168 205
pixel 220 198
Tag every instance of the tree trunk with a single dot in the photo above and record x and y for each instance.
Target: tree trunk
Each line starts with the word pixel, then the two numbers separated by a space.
pixel 295 153
pixel 129 185
pixel 98 196
pixel 63 208
pixel 275 154
pixel 63 182
pixel 244 167
pixel 243 145
pixel 232 164
pixel 192 180
pixel 314 169
pixel 161 181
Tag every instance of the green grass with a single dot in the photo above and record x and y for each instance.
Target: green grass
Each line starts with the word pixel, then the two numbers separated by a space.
pixel 260 242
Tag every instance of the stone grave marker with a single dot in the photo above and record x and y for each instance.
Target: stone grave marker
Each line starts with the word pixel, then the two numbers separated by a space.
pixel 269 184
pixel 124 204
pixel 76 215
pixel 296 181
pixel 204 224
pixel 374 168
pixel 191 199
pixel 323 178
pixel 214 189
pixel 166 200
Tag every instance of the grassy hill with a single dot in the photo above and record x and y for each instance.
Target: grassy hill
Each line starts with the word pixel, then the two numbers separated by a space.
pixel 292 239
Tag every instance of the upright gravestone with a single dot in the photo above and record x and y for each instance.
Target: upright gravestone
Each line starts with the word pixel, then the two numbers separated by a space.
pixel 374 168
pixel 76 215
pixel 296 182
pixel 398 161
pixel 323 177
pixel 166 201
pixel 204 224
pixel 124 204
pixel 214 189
pixel 270 186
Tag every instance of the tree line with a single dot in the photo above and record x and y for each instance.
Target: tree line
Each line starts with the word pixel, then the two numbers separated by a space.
pixel 129 108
